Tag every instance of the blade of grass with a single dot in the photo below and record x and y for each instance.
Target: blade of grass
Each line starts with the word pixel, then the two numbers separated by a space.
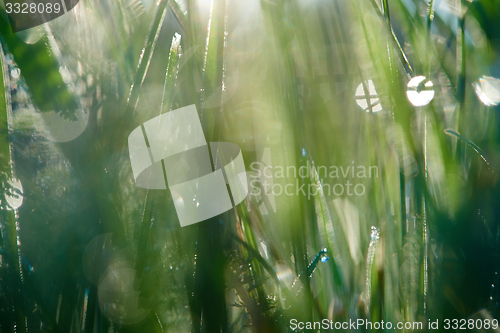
pixel 8 219
pixel 471 144
pixel 147 53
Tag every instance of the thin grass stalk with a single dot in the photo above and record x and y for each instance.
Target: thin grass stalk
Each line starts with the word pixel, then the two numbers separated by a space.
pixel 388 229
pixel 273 16
pixel 462 56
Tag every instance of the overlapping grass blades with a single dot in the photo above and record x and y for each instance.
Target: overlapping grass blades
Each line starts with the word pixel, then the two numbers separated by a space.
pixel 279 79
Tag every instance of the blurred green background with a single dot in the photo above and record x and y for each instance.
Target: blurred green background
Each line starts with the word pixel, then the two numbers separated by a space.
pixel 317 84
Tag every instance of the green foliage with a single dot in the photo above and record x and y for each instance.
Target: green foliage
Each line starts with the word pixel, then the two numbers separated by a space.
pixel 88 251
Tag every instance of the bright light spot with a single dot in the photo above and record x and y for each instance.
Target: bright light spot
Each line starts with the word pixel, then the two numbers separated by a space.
pixel 65 74
pixel 324 255
pixel 31 35
pixel 263 250
pixel 488 90
pixel 15 73
pixel 16 200
pixel 363 97
pixel 420 93
pixel 63 130
pixel 284 274
pixel 117 297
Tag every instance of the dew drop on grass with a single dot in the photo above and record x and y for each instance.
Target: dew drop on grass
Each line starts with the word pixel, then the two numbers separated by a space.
pixel 488 90
pixel 372 248
pixel 420 91
pixel 324 256
pixel 367 98
pixel 15 200
pixel 15 73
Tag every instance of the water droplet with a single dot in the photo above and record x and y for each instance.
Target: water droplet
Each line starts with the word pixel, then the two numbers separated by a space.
pixel 488 90
pixel 375 233
pixel 15 198
pixel 367 98
pixel 324 255
pixel 15 73
pixel 420 91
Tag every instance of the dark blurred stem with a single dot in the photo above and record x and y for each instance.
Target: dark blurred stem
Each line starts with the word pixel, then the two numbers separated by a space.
pixel 147 53
pixel 430 17
pixel 401 52
pixel 208 301
pixel 144 233
pixel 209 284
pixel 387 15
pixel 461 86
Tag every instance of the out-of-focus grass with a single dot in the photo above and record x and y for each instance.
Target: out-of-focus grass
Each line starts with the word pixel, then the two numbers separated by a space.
pixel 88 251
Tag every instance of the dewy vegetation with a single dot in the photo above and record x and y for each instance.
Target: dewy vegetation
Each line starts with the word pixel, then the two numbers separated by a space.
pixel 294 83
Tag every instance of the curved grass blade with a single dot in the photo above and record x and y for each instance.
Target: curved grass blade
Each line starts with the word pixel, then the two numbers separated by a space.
pixel 259 258
pixel 171 73
pixel 470 143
